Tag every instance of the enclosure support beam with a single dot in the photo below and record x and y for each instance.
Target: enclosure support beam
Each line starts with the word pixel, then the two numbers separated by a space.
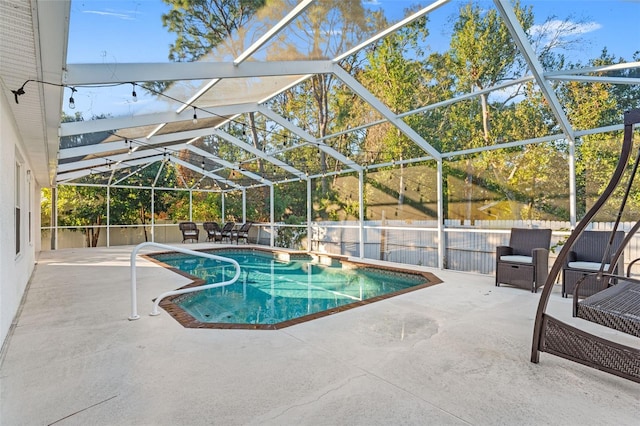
pixel 441 235
pixel 54 218
pixel 244 205
pixel 153 211
pixel 380 107
pixel 573 197
pixel 309 215
pixel 361 212
pixel 272 216
pixel 108 216
pixel 223 217
pixel 190 205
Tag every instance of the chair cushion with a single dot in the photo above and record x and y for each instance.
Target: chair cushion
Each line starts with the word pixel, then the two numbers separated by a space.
pixel 517 258
pixel 190 232
pixel 590 266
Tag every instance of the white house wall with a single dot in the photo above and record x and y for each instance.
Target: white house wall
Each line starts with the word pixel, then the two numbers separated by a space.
pixel 15 270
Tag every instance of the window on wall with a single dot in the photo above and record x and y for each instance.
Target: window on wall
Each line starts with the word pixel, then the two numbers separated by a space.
pixel 17 213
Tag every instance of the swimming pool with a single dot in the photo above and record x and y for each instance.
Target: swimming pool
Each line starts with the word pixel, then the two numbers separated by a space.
pixel 278 289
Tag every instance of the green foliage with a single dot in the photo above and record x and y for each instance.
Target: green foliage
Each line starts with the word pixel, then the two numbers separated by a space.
pixel 83 207
pixel 201 25
pixel 518 182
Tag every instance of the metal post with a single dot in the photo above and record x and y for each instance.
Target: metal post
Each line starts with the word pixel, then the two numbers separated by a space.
pixel 108 216
pixel 361 211
pixel 54 218
pixel 441 242
pixel 573 202
pixel 190 205
pixel 153 222
pixel 223 217
pixel 309 215
pixel 272 215
pixel 244 204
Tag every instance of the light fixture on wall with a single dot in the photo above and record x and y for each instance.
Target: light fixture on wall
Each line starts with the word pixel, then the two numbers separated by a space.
pixel 18 92
pixel 134 95
pixel 195 116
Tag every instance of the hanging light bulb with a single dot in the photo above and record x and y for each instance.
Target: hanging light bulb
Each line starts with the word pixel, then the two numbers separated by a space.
pixel 195 116
pixel 72 102
pixel 134 95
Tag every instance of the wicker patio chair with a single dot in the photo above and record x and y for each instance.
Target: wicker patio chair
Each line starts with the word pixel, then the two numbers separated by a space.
pixel 589 253
pixel 227 229
pixel 214 232
pixel 525 261
pixel 189 231
pixel 241 233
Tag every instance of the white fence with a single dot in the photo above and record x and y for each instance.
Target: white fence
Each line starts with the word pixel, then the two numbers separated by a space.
pixel 466 247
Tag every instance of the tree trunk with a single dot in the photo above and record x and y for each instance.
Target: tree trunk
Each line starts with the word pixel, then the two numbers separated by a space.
pixel 486 123
pixel 257 145
pixel 144 222
pixel 320 89
pixel 95 233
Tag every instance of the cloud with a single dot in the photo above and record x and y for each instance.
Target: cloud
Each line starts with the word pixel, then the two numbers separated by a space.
pixel 123 16
pixel 566 28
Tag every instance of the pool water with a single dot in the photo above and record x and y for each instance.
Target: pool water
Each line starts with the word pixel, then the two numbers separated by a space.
pixel 272 291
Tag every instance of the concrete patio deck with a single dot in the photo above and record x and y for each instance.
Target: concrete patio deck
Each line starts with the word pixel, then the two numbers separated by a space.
pixel 452 354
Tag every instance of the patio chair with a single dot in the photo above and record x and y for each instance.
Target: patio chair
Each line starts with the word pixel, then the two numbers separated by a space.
pixel 189 231
pixel 214 232
pixel 586 258
pixel 242 233
pixel 226 231
pixel 525 261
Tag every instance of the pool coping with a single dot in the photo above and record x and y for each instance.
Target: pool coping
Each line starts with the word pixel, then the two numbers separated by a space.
pixel 186 320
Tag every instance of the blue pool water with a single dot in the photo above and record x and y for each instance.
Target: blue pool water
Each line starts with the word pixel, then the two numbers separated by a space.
pixel 272 291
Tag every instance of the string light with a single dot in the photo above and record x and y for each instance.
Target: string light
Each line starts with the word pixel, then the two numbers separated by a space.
pixel 285 139
pixel 72 102
pixel 20 91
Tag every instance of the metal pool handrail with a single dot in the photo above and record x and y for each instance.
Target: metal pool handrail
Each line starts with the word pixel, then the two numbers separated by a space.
pixel 134 253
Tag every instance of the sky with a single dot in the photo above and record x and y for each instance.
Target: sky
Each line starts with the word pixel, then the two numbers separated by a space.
pixel 123 31
pixel 131 30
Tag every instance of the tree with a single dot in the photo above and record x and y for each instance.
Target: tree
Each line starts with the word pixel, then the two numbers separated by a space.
pixel 393 74
pixel 201 25
pixel 83 207
pixel 483 52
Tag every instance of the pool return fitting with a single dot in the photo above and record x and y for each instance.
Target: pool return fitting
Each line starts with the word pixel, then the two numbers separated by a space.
pixel 134 303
